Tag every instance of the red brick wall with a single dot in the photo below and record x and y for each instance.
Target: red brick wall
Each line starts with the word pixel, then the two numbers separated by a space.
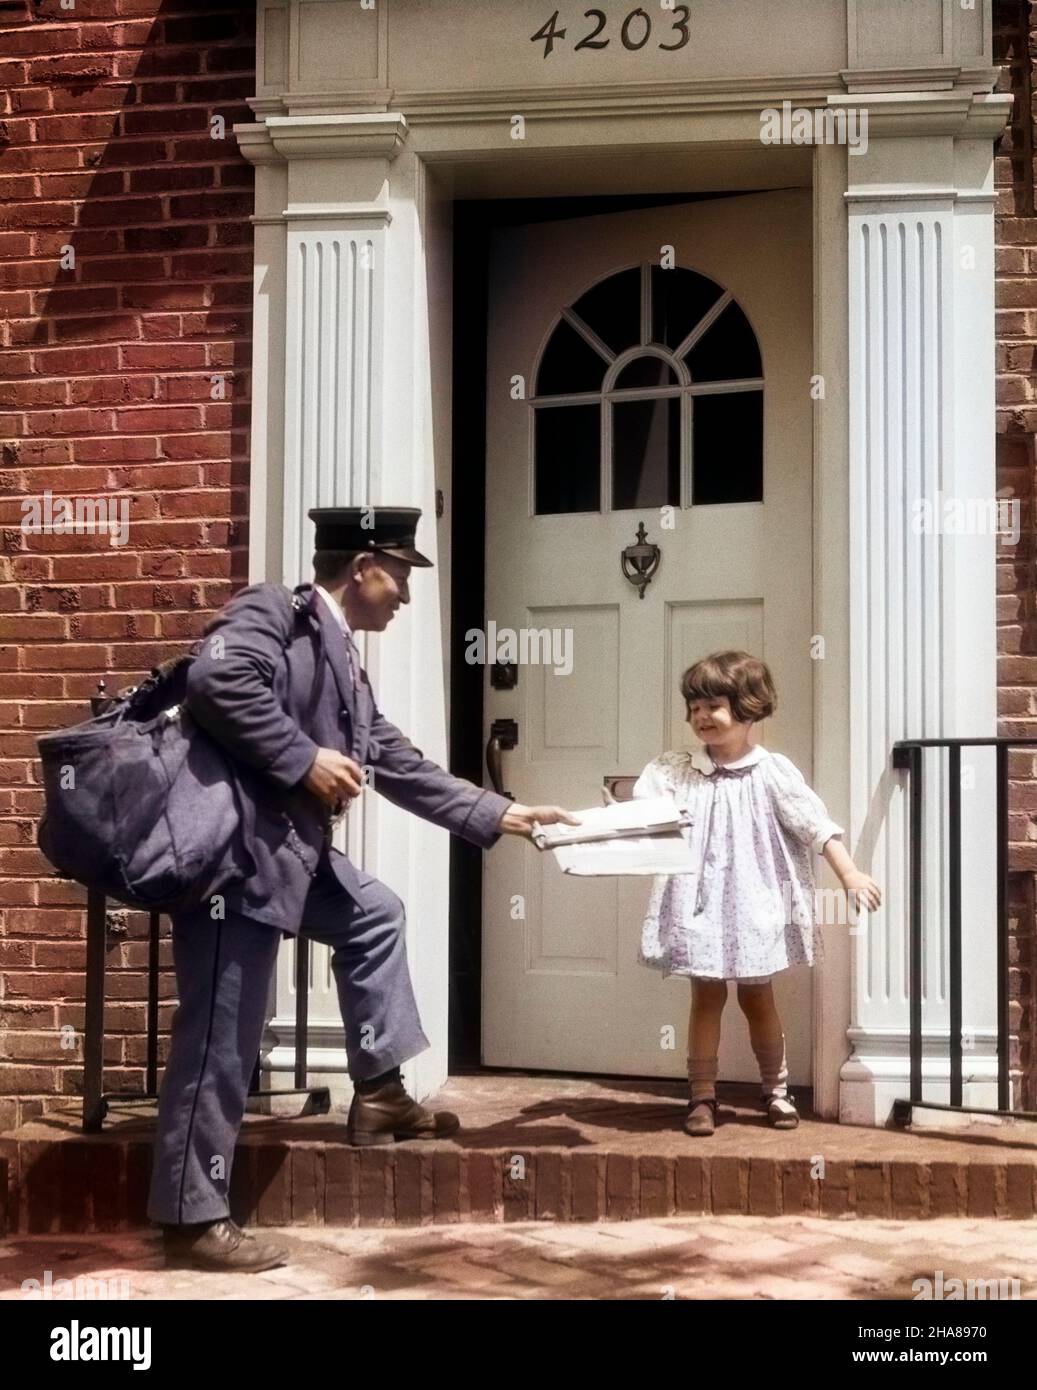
pixel 1015 47
pixel 105 388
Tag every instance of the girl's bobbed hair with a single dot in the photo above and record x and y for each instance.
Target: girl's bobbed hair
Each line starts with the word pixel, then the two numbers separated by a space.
pixel 744 679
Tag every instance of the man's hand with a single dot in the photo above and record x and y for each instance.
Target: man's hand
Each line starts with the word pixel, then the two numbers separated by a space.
pixel 334 778
pixel 518 820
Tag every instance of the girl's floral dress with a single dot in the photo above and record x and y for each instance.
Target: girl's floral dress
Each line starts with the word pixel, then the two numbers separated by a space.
pixel 749 910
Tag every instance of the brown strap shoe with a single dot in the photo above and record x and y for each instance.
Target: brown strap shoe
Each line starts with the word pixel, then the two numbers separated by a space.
pixel 701 1117
pixel 388 1114
pixel 221 1246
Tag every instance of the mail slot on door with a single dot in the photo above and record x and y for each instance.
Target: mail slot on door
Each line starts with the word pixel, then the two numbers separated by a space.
pixel 619 786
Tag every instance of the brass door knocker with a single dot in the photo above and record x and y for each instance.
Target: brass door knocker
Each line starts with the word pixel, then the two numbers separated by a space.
pixel 639 562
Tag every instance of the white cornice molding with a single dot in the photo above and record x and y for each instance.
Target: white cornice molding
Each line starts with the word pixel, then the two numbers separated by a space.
pixel 938 77
pixel 731 94
pixel 864 80
pixel 721 93
pixel 972 115
pixel 255 144
pixel 358 135
pixel 989 114
pixel 957 112
pixel 266 106
pixel 376 133
pixel 356 100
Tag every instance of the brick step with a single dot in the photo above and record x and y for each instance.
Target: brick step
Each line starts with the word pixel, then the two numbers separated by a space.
pixel 544 1150
pixel 97 1185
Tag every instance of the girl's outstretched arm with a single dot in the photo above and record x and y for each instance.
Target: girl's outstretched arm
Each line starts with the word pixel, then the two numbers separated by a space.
pixel 803 814
pixel 854 880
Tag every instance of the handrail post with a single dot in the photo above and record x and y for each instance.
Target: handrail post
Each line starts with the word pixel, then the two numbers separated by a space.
pixel 954 902
pixel 302 1000
pixel 93 1024
pixel 915 900
pixel 1003 1101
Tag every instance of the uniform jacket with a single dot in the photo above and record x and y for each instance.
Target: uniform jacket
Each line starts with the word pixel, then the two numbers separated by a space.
pixel 272 686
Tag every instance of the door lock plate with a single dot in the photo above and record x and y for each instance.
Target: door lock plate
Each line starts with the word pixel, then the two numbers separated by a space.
pixel 506 733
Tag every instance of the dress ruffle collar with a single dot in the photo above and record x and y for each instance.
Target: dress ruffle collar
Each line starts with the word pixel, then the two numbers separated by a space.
pixel 702 762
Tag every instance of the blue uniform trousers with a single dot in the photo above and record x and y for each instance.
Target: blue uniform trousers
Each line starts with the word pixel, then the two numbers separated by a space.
pixel 223 972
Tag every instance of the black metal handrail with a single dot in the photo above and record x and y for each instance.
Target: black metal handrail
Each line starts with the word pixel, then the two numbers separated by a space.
pixel 907 756
pixel 95 1099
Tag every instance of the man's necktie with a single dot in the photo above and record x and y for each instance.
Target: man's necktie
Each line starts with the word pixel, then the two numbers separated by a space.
pixel 354 660
pixel 353 657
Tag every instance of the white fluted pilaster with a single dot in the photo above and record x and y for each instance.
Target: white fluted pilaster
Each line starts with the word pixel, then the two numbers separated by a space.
pixel 325 350
pixel 922 600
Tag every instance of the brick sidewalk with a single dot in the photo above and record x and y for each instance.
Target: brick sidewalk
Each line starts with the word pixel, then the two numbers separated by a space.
pixel 726 1257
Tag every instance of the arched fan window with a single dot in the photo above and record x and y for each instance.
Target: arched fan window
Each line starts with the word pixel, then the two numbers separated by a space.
pixel 649 392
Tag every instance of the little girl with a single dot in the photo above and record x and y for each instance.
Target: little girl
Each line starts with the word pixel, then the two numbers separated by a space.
pixel 748 912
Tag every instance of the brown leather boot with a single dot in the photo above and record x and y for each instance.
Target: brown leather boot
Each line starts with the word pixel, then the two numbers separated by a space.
pixel 219 1245
pixel 388 1113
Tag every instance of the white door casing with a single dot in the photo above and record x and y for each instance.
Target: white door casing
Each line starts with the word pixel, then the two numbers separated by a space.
pixel 563 989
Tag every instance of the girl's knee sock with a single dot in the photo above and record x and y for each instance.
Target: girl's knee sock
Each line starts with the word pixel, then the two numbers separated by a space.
pixel 702 1078
pixel 774 1072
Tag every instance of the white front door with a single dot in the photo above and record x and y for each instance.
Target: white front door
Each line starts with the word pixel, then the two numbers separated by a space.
pixel 643 367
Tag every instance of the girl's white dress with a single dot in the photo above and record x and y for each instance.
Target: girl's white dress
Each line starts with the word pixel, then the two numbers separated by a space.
pixel 749 910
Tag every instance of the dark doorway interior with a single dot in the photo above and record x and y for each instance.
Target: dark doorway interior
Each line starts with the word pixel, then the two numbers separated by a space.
pixel 473 221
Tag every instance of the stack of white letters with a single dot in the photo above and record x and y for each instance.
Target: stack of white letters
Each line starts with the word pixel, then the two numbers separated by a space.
pixel 646 836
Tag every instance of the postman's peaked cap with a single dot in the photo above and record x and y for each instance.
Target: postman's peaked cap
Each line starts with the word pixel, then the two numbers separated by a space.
pixel 392 530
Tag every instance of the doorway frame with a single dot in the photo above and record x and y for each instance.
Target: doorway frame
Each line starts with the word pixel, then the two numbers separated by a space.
pixel 385 178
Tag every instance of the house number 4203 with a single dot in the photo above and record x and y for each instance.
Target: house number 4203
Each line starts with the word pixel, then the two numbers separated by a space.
pixel 634 32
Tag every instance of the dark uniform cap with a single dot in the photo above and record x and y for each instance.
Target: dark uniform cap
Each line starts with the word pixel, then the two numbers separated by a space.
pixel 389 529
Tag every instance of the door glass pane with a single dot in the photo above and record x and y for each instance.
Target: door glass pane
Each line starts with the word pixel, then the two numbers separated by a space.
pixel 680 298
pixel 646 371
pixel 613 309
pixel 646 453
pixel 727 351
pixel 727 444
pixel 568 459
pixel 569 364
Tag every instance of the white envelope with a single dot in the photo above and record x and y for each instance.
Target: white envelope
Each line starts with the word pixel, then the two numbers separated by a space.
pixel 643 836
